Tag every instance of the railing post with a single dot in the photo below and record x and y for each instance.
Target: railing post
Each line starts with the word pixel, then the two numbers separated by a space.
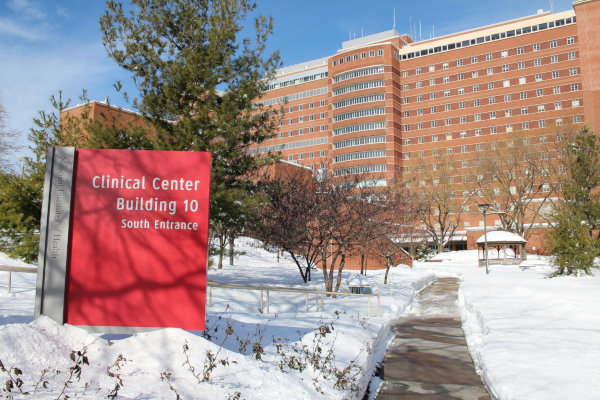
pixel 306 301
pixel 268 302
pixel 322 303
pixel 210 289
pixel 9 280
pixel 261 300
pixel 378 306
pixel 369 301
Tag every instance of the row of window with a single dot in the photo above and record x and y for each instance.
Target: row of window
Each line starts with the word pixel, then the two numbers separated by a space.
pixel 355 57
pixel 359 141
pixel 489 56
pixel 297 81
pixel 463 119
pixel 470 89
pixel 291 145
pixel 358 73
pixel 294 97
pixel 301 107
pixel 310 154
pixel 301 119
pixel 488 38
pixel 359 169
pixel 359 100
pixel 492 70
pixel 358 86
pixel 359 114
pixel 367 126
pixel 360 155
pixel 302 131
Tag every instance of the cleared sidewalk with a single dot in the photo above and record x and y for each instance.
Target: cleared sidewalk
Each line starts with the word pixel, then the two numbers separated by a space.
pixel 428 357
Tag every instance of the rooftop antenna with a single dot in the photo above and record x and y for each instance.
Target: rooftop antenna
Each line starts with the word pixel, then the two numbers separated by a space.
pixel 350 34
pixel 433 27
pixel 420 37
pixel 362 32
pixel 551 6
pixel 394 19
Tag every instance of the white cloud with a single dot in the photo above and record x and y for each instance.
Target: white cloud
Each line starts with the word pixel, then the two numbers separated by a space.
pixel 20 31
pixel 28 9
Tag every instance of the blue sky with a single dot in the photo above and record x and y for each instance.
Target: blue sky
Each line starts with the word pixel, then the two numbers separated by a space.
pixel 46 46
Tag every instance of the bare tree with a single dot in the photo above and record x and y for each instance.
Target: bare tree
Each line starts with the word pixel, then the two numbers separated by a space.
pixel 7 139
pixel 443 195
pixel 518 177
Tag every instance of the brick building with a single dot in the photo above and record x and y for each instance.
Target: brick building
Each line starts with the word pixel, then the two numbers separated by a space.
pixel 385 104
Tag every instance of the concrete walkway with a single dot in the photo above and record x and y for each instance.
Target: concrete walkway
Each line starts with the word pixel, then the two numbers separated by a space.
pixel 428 357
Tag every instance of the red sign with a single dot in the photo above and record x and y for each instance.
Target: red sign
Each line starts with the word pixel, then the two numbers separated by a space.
pixel 139 242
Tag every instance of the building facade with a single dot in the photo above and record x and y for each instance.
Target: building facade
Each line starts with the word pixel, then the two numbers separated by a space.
pixel 385 104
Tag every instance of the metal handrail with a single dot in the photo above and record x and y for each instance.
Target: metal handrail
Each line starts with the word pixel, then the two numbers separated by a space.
pixel 267 289
pixel 13 268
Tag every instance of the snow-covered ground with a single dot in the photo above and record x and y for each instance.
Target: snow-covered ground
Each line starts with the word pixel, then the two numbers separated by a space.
pixel 530 337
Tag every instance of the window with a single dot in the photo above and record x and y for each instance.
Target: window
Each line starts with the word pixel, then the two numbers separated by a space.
pixel 432 95
pixel 504 53
pixel 405 100
pixel 537 62
pixel 461 76
pixel 493 146
pixel 421 153
pixel 490 85
pixel 311 129
pixel 372 54
pixel 311 154
pixel 552 44
pixel 492 114
pixel 418 84
pixel 575 103
pixel 434 138
pixel 322 115
pixel 520 65
pixel 524 110
pixel 461 105
pixel 406 128
pixel 539 92
pixel 538 77
pixel 478 132
pixel 558 121
pixel 432 82
pixel 573 71
pixel 420 126
pixel 477 117
pixel 355 57
pixel 363 54
pixel 311 117
pixel 301 119
pixel 322 128
pixel 505 68
pixel 291 133
pixel 506 98
pixel 536 47
pixel 290 158
pixel 464 164
pixel 475 88
pixel 431 68
pixel 574 87
pixel 405 74
pixel 322 103
pixel 347 58
pixel 433 109
pixel 406 142
pixel 506 83
pixel 463 148
pixel 311 105
pixel 525 126
pixel 474 74
pixel 520 50
pixel 418 71
pixel 523 95
pixel 322 154
pixel 509 128
pixel 301 107
pixel 541 108
pixel 555 74
pixel 463 119
pixel 445 65
pixel 449 136
pixel 419 97
pixel 448 107
pixel 449 150
pixel 556 89
pixel 571 40
pixel 380 52
pixel 446 79
pixel 406 114
pixel 459 62
pixel 300 131
pixel 493 130
pixel 508 113
pixel 478 147
pixel 421 140
pixel 300 156
pixel 419 111
pixel 543 139
pixel 553 59
pixel 488 57
pixel 446 93
pixel 280 134
pixel 476 103
pixel 490 71
pixel 473 59
pixel 463 134
pixel 291 121
pixel 521 80
pixel 558 105
pixel 576 119
pixel 448 121
pixel 492 100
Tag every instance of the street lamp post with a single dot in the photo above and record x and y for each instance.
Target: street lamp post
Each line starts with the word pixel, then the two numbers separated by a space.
pixel 484 207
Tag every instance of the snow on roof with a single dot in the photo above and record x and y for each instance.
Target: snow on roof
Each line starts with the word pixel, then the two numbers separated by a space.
pixel 501 237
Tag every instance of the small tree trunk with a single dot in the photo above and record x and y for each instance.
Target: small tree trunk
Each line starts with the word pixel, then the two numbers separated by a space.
pixel 221 250
pixel 231 247
pixel 387 270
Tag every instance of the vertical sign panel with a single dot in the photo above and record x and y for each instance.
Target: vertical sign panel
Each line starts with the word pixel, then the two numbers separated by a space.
pixel 139 239
pixel 54 233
